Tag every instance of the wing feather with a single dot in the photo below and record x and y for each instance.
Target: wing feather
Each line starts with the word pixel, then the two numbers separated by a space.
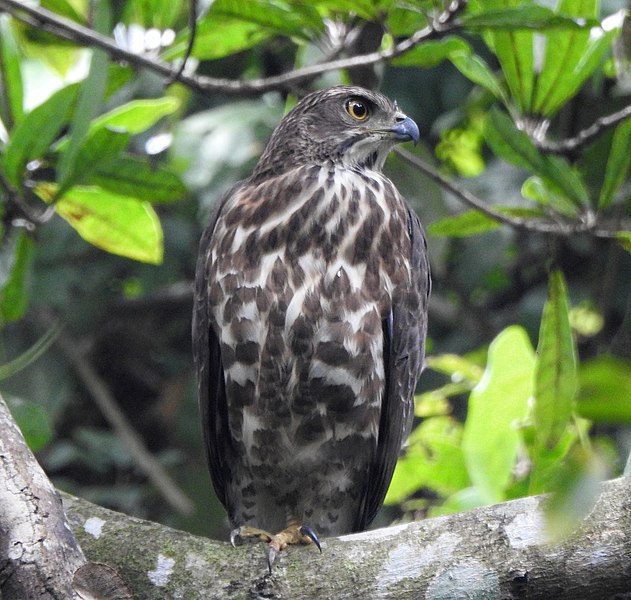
pixel 404 331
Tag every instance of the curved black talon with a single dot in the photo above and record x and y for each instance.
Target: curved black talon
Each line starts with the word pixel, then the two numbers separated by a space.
pixel 304 530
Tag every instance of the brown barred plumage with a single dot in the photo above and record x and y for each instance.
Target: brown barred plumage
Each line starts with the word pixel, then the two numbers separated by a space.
pixel 310 319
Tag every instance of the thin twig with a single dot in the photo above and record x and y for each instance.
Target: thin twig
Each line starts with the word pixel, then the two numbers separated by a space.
pixel 53 23
pixel 571 145
pixel 557 227
pixel 108 406
pixel 192 24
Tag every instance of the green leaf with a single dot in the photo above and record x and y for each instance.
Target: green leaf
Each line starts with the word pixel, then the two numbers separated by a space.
pixel 33 421
pixel 624 239
pixel 118 224
pixel 35 133
pixel 475 222
pixel 433 460
pixel 496 406
pixel 514 50
pixel 469 222
pixel 514 146
pixel 458 368
pixel 161 14
pixel 299 19
pixel 16 259
pixel 130 176
pixel 564 51
pixel 12 96
pixel 536 189
pixel 617 164
pixel 432 53
pixel 604 392
pixel 217 39
pixel 138 115
pixel 573 79
pixel 98 151
pixel 555 369
pixel 526 16
pixel 88 103
pixel 477 70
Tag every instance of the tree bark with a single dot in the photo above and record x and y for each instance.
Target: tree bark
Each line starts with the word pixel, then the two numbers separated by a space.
pixel 38 553
pixel 498 552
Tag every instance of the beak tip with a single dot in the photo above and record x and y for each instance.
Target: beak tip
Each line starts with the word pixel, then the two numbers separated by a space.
pixel 406 131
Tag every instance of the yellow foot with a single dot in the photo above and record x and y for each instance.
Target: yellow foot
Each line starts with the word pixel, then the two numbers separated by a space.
pixel 292 535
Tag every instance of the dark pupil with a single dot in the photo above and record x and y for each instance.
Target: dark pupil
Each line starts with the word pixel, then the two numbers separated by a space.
pixel 358 109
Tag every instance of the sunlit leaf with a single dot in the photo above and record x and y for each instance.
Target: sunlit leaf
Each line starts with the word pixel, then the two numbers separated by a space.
pixel 119 224
pixel 514 50
pixel 12 96
pixel 624 239
pixel 496 405
pixel 433 459
pixel 458 368
pixel 617 164
pixel 555 370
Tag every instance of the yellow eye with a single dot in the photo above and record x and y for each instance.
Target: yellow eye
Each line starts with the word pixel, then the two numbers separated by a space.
pixel 356 109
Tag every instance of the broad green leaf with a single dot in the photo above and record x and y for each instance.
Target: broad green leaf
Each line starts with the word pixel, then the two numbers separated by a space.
pixel 555 369
pixel 469 222
pixel 475 222
pixel 33 421
pixel 134 177
pixel 138 115
pixel 88 103
pixel 119 224
pixel 604 392
pixel 589 61
pixel 99 150
pixel 564 50
pixel 514 146
pixel 35 133
pixel 370 10
pixel 617 164
pixel 496 406
pixel 433 460
pixel 14 276
pixel 12 96
pixel 477 70
pixel 526 16
pixel 514 50
pixel 433 52
pixel 536 189
pixel 66 9
pixel 293 19
pixel 217 39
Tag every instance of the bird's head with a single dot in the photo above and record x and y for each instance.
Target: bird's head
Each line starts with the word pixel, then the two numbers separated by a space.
pixel 347 125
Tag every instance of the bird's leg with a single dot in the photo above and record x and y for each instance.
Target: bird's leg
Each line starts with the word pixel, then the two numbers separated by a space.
pixel 293 534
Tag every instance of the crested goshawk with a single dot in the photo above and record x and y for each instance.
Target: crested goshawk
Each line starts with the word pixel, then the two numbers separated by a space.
pixel 309 323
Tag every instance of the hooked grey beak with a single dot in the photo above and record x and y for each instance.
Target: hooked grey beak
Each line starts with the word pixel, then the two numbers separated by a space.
pixel 406 130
